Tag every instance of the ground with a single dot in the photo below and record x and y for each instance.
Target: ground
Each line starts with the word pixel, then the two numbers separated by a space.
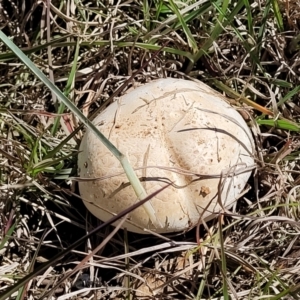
pixel 94 51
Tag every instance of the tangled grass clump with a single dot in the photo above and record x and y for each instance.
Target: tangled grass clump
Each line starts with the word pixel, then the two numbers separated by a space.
pixel 96 50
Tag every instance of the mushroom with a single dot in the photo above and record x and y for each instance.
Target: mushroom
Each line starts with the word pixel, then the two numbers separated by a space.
pixel 172 131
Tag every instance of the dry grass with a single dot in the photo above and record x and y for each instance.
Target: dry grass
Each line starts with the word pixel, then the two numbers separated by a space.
pixel 252 253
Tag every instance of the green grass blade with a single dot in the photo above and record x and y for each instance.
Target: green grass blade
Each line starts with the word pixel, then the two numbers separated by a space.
pixel 52 152
pixel 68 88
pixel 281 83
pixel 249 18
pixel 55 163
pixel 103 43
pixel 146 11
pixel 11 55
pixel 8 235
pixel 280 124
pixel 223 260
pixel 278 15
pixel 218 29
pixel 291 290
pixel 191 41
pixel 262 29
pixel 172 18
pixel 289 95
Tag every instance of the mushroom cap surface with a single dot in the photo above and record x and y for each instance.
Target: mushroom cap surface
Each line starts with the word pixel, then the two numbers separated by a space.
pixel 171 130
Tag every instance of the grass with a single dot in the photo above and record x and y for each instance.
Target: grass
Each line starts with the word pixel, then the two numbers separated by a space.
pixel 95 51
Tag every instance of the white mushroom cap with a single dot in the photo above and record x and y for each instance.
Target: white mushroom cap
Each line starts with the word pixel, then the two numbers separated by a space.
pixel 171 130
